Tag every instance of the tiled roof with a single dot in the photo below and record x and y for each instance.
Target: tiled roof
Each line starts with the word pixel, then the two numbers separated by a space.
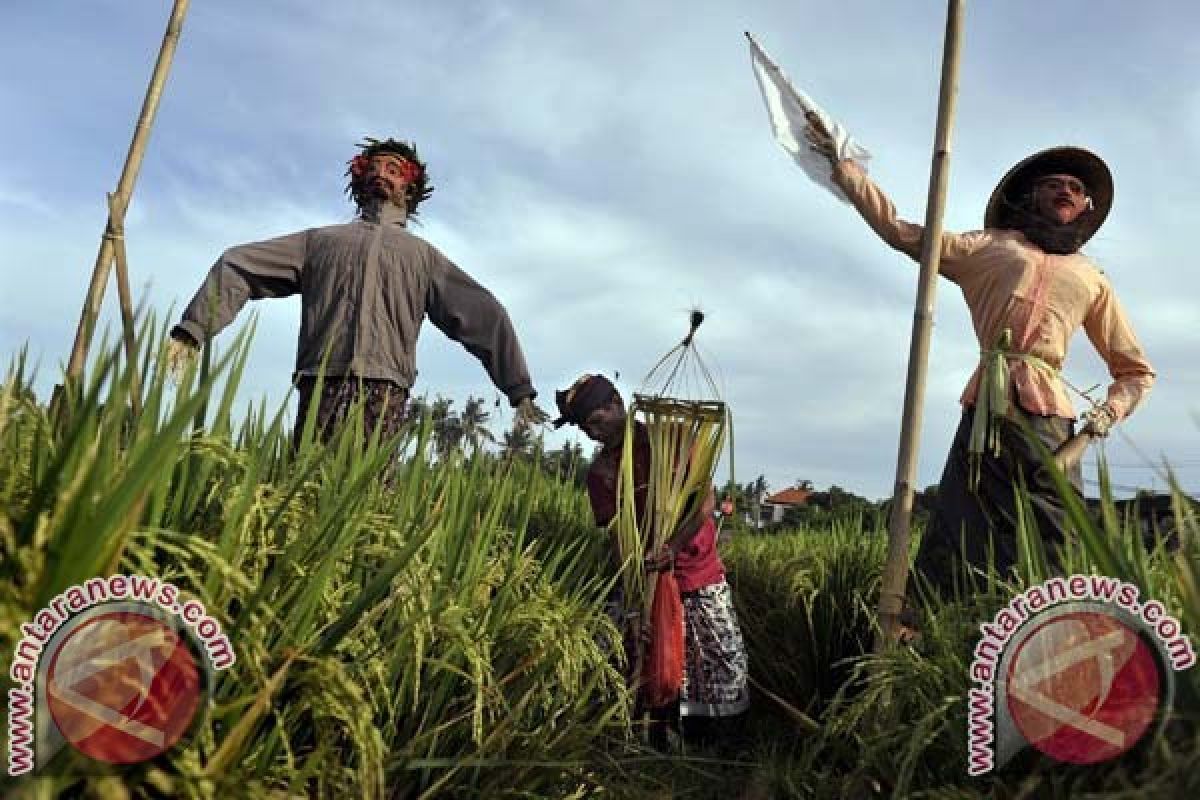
pixel 790 497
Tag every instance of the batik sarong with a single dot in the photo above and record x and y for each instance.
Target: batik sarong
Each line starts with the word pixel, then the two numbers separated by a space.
pixel 715 665
pixel 383 402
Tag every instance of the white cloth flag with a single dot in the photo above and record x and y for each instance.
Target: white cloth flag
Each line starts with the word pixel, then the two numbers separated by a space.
pixel 786 107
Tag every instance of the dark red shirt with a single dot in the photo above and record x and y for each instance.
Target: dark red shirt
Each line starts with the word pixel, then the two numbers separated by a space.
pixel 697 565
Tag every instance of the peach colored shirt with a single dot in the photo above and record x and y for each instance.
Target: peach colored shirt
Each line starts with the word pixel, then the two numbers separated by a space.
pixel 1043 298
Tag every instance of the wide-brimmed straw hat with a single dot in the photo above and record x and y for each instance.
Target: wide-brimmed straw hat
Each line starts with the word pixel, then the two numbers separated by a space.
pixel 1084 165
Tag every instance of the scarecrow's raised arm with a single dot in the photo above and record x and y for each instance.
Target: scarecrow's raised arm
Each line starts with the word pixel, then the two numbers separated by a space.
pixel 879 212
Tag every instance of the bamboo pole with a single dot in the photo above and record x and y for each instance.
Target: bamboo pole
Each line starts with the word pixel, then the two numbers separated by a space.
pixel 895 573
pixel 124 192
pixel 116 216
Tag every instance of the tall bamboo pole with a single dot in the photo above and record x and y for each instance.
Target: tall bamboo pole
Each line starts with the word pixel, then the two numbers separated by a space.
pixel 133 162
pixel 895 572
pixel 116 217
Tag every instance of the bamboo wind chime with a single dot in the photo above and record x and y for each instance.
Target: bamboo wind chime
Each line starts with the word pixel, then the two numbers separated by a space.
pixel 687 425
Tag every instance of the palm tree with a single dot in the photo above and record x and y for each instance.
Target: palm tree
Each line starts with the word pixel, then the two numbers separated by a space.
pixel 417 408
pixel 517 442
pixel 568 462
pixel 447 428
pixel 473 422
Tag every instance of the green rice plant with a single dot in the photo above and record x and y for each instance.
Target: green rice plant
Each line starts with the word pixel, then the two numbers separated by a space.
pixel 805 604
pixel 413 623
pixel 899 727
pixel 398 632
pixel 895 726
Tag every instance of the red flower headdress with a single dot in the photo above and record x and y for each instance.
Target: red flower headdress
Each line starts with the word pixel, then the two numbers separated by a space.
pixel 415 173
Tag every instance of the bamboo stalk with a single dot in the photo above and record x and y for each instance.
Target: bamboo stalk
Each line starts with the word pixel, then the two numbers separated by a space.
pixel 133 163
pixel 116 216
pixel 895 573
pixel 803 721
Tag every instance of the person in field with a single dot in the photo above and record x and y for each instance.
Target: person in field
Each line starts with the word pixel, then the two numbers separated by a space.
pixel 715 663
pixel 1029 289
pixel 365 288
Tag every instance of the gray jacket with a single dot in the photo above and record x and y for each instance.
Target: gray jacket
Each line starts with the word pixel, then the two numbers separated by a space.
pixel 365 289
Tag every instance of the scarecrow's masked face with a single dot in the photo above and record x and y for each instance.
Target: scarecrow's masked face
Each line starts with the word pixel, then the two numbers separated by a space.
pixel 387 177
pixel 1060 198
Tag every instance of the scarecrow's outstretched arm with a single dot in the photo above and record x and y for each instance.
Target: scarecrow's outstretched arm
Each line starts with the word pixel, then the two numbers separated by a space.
pixel 253 271
pixel 469 314
pixel 878 211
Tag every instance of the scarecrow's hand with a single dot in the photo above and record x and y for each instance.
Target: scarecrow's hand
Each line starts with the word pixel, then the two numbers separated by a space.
pixel 1099 421
pixel 181 352
pixel 528 414
pixel 820 140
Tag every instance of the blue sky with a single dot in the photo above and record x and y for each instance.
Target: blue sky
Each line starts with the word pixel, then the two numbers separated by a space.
pixel 604 167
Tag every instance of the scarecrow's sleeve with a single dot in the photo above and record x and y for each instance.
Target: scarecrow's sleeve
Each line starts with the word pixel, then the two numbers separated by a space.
pixel 877 209
pixel 1111 334
pixel 471 316
pixel 252 271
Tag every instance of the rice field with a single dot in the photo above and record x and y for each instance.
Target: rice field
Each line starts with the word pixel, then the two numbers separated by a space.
pixel 415 624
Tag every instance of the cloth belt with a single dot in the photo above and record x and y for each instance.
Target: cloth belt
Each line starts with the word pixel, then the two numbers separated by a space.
pixel 992 399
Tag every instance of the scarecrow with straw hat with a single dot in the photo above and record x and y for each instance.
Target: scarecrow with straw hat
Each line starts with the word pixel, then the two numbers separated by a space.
pixel 625 483
pixel 1029 289
pixel 365 287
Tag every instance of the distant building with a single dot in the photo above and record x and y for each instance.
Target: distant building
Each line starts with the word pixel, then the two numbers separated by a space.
pixel 775 505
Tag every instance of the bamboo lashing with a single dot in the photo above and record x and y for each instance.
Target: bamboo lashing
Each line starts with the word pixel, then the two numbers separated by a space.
pixel 118 203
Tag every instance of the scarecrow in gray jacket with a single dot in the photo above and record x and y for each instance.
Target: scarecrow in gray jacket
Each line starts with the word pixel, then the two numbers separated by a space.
pixel 365 290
